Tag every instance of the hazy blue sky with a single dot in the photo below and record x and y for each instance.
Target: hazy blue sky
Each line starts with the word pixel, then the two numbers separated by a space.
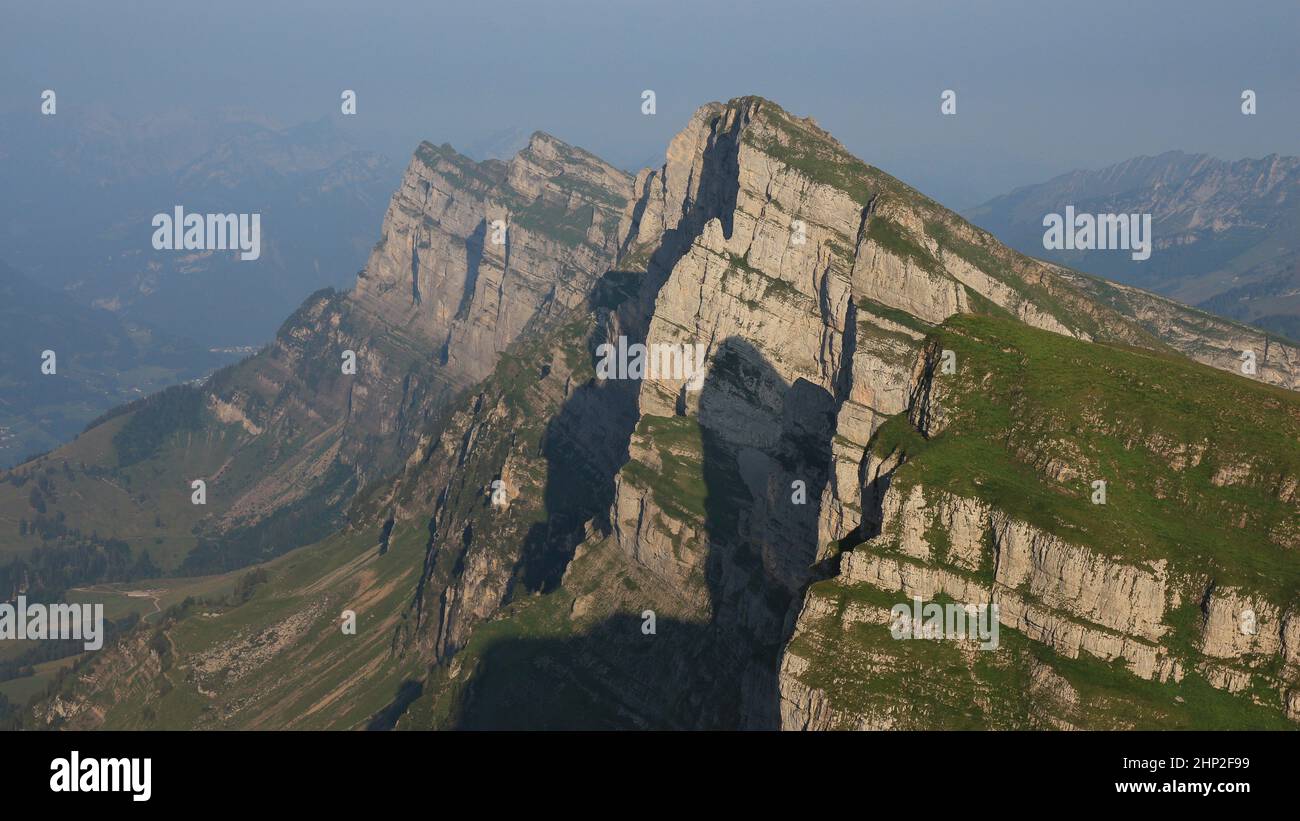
pixel 1043 87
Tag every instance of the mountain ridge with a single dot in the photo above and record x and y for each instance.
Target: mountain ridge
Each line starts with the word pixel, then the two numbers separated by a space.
pixel 621 497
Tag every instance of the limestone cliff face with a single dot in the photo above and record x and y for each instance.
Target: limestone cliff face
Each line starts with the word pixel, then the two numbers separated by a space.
pixel 470 254
pixel 1055 592
pixel 1064 596
pixel 809 291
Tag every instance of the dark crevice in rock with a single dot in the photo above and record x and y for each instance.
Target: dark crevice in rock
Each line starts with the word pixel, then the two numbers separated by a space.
pixel 415 272
pixel 473 259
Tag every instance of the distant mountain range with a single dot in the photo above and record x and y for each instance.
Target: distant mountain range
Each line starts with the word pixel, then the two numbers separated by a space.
pixel 1226 234
pixel 894 406
pixel 82 189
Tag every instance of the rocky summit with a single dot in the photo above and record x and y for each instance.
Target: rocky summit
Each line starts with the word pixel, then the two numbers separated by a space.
pixel 893 409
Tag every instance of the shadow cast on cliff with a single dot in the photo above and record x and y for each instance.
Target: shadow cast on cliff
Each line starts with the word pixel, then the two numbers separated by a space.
pixel 759 436
pixel 586 444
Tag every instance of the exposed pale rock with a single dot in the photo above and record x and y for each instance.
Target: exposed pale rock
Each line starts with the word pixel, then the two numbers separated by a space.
pixel 1238 623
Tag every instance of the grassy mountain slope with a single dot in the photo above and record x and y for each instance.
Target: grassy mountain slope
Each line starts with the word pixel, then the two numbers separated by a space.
pixel 1201 472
